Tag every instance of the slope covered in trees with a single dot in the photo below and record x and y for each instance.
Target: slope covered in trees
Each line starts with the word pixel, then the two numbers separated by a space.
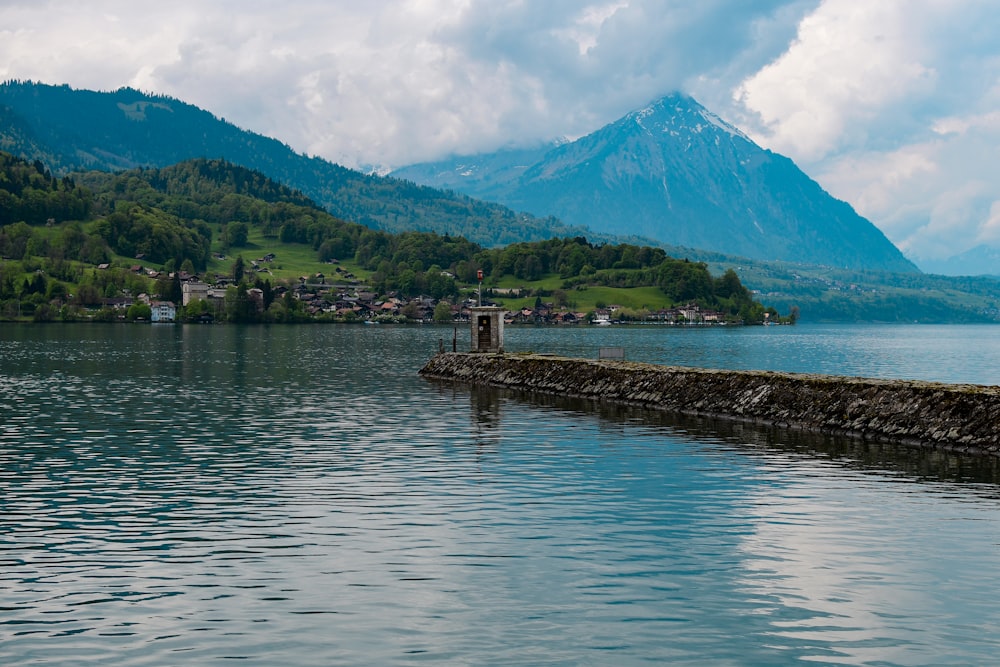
pixel 74 130
pixel 176 216
pixel 580 263
pixel 29 193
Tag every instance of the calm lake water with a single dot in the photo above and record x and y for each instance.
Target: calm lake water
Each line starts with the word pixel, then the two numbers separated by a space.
pixel 299 496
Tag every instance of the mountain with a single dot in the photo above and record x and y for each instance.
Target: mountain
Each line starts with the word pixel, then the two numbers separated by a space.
pixel 675 172
pixel 672 173
pixel 71 130
pixel 982 260
pixel 484 176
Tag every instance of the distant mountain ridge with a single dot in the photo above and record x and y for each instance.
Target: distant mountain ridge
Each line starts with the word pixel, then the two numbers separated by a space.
pixel 981 260
pixel 671 173
pixel 73 130
pixel 677 173
pixel 485 175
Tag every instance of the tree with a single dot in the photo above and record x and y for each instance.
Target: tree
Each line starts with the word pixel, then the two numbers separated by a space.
pixel 729 286
pixel 139 311
pixel 44 313
pixel 176 290
pixel 442 312
pixel 407 282
pixel 267 292
pixel 239 268
pixel 237 233
pixel 87 295
pixel 410 311
pixel 163 289
pixel 240 307
pixel 196 308
pixel 56 291
pixel 439 284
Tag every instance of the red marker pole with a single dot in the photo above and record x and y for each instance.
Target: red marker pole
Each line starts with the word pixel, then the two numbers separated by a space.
pixel 479 275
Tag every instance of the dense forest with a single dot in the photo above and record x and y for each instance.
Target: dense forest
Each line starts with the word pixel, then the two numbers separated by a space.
pixel 30 194
pixel 56 230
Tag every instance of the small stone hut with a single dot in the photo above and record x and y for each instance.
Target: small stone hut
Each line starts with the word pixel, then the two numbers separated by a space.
pixel 487 329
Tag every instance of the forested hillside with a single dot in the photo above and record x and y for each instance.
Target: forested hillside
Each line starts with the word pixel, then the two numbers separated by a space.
pixel 180 218
pixel 72 130
pixel 29 193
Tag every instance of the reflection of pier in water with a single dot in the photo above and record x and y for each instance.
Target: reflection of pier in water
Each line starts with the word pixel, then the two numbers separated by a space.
pixel 487 421
pixel 487 418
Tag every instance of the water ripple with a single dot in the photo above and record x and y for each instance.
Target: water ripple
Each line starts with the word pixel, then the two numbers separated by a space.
pixel 299 496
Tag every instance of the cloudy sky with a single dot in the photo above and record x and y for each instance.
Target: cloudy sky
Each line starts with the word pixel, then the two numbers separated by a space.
pixel 891 105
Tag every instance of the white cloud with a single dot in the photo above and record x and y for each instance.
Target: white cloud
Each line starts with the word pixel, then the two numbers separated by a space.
pixel 892 107
pixel 851 60
pixel 586 28
pixel 964 124
pixel 877 178
pixel 933 199
pixel 391 81
pixel 989 233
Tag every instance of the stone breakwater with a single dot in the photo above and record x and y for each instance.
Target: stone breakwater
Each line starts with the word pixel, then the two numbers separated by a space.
pixel 963 418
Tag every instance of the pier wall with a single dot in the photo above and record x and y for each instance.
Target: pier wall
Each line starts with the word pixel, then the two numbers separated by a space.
pixel 963 418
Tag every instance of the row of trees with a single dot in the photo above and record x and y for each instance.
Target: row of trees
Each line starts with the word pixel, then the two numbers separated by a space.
pixel 569 257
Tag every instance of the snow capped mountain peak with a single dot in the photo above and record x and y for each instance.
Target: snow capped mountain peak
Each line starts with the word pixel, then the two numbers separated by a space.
pixel 678 112
pixel 676 172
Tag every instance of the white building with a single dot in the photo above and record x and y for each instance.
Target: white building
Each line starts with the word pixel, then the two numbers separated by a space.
pixel 163 311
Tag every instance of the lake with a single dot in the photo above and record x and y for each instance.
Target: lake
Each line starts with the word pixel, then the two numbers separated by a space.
pixel 298 495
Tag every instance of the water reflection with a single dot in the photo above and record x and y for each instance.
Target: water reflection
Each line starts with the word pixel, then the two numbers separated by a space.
pixel 825 552
pixel 487 418
pixel 815 566
pixel 918 464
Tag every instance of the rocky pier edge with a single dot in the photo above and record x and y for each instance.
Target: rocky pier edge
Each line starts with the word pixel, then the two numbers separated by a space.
pixel 955 417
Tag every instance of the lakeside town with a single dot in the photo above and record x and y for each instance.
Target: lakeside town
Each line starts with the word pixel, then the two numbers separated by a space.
pixel 342 297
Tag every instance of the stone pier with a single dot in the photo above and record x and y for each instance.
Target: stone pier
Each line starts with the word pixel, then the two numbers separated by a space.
pixel 961 418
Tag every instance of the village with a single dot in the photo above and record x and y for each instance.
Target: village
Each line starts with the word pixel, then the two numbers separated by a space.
pixel 342 297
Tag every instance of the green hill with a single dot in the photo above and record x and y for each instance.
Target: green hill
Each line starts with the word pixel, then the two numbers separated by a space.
pixel 73 130
pixel 74 241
